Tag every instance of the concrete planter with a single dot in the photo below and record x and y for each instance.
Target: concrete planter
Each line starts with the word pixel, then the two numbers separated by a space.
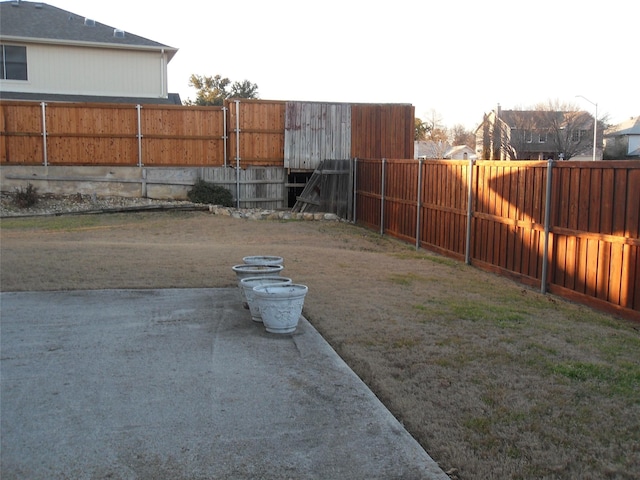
pixel 263 260
pixel 280 306
pixel 250 282
pixel 246 270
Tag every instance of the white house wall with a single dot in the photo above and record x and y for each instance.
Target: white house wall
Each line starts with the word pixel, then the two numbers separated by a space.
pixel 92 71
pixel 634 143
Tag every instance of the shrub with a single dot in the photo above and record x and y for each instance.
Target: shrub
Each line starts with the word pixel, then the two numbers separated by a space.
pixel 204 192
pixel 26 197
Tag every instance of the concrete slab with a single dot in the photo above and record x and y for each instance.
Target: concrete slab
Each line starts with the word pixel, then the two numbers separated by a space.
pixel 181 384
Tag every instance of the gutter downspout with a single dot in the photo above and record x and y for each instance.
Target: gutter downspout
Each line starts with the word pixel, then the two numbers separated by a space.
pixel 164 93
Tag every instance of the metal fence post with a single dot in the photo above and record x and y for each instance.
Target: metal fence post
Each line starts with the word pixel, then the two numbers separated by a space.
pixel 419 195
pixel 467 248
pixel 138 108
pixel 354 185
pixel 547 223
pixel 45 157
pixel 237 153
pixel 225 137
pixel 383 165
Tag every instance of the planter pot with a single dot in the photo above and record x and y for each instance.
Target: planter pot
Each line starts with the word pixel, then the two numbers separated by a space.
pixel 280 306
pixel 246 270
pixel 263 260
pixel 250 282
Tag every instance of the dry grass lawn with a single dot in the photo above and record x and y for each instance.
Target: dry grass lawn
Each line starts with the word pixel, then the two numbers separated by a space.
pixel 495 380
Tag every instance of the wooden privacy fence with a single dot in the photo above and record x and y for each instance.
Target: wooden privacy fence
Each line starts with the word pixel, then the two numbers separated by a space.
pixel 571 228
pixel 241 134
pixel 111 134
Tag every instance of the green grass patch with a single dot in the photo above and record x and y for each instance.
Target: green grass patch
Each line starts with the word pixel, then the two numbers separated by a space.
pixel 623 379
pixel 449 262
pixel 406 279
pixel 481 425
pixel 475 310
pixel 88 220
pixel 405 342
pixel 63 222
pixel 412 254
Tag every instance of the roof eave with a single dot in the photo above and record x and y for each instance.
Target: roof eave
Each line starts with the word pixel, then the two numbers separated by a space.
pixel 170 51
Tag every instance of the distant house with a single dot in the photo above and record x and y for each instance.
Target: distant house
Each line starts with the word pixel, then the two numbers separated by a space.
pixel 623 140
pixel 50 54
pixel 428 149
pixel 537 135
pixel 460 152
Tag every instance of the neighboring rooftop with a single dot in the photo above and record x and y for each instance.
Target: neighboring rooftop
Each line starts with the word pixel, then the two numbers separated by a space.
pixel 628 127
pixel 39 21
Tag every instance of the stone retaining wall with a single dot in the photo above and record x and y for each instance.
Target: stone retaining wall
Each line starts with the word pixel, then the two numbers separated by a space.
pixel 260 214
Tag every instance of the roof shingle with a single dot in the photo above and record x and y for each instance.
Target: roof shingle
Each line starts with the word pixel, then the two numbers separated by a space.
pixel 37 20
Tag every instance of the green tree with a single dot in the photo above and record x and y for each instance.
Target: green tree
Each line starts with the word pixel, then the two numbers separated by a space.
pixel 244 89
pixel 215 90
pixel 421 129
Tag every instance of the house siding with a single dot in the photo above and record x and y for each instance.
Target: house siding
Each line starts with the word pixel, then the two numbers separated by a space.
pixel 92 71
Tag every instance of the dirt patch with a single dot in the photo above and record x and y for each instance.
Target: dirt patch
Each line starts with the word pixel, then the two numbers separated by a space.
pixel 492 378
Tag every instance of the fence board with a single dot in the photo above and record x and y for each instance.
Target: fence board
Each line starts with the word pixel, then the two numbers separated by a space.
pixel 315 132
pixel 382 131
pixel 260 139
pixel 259 187
pixel 92 151
pixel 21 133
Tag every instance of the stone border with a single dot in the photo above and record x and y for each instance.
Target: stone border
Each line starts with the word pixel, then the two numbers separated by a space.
pixel 261 214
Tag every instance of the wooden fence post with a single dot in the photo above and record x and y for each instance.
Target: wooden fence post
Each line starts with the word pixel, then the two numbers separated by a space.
pixel 547 221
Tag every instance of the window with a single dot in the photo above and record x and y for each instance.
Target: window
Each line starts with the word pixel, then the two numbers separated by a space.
pixel 575 136
pixel 528 136
pixel 578 135
pixel 542 137
pixel 14 63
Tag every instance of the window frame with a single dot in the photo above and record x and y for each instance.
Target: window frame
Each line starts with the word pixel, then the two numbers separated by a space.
pixel 528 136
pixel 14 69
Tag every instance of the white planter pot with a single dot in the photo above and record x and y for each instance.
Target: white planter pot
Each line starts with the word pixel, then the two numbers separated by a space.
pixel 250 282
pixel 263 260
pixel 247 270
pixel 280 306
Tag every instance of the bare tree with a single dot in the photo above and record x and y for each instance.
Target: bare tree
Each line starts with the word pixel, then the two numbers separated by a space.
pixel 437 133
pixel 461 136
pixel 570 129
pixel 556 129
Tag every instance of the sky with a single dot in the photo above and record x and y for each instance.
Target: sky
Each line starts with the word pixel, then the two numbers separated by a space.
pixel 454 60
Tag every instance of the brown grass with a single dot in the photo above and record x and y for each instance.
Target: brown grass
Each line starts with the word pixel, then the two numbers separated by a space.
pixel 494 379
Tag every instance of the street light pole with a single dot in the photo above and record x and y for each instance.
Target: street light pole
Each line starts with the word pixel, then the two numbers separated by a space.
pixel 595 125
